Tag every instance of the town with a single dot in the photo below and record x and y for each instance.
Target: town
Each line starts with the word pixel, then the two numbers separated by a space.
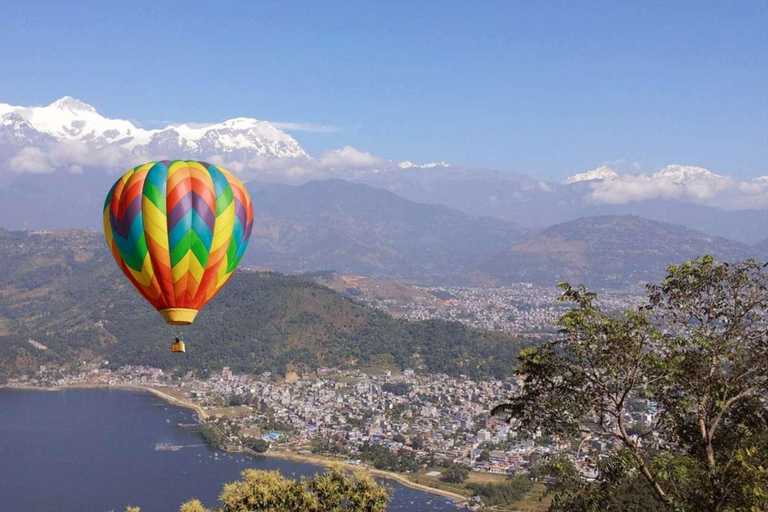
pixel 398 422
pixel 520 309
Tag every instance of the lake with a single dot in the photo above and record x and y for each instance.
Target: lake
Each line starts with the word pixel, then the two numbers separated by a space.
pixel 94 450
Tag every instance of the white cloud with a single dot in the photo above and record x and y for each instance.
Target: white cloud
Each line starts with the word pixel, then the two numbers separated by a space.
pixel 269 169
pixel 698 186
pixel 340 163
pixel 30 159
pixel 74 156
pixel 349 157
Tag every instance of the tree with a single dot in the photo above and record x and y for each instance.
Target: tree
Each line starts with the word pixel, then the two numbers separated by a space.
pixel 417 443
pixel 484 456
pixel 455 474
pixel 256 444
pixel 698 350
pixel 513 489
pixel 269 491
pixel 193 506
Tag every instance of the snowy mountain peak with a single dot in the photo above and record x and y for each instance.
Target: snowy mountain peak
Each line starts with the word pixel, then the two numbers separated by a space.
pixel 407 164
pixel 601 173
pixel 69 119
pixel 72 104
pixel 686 174
pixel 6 108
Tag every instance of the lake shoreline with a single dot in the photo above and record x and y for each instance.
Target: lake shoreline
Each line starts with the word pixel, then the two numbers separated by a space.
pixel 279 454
pixel 124 387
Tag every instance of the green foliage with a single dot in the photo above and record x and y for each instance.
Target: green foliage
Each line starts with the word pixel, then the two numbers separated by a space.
pixel 213 435
pixel 619 487
pixel 455 474
pixel 193 506
pixel 269 491
pixel 236 400
pixel 382 458
pixel 396 388
pixel 417 443
pixel 698 349
pixel 512 490
pixel 256 444
pixel 329 446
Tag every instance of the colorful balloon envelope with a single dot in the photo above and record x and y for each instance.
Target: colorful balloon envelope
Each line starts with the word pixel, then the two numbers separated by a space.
pixel 178 229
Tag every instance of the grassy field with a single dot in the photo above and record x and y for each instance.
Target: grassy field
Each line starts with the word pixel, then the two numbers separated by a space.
pixel 532 502
pixel 434 481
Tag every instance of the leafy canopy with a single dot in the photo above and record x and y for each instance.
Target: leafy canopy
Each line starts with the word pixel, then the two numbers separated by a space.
pixel 334 490
pixel 694 356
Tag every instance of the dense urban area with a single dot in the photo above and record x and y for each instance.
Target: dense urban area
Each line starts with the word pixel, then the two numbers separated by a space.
pixel 523 308
pixel 436 426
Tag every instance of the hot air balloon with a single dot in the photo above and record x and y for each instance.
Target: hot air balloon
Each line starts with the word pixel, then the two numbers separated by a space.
pixel 177 229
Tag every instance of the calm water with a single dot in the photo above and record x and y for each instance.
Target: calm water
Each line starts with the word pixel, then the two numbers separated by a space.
pixel 94 450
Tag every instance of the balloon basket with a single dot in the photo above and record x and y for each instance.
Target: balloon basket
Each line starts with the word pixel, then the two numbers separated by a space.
pixel 178 316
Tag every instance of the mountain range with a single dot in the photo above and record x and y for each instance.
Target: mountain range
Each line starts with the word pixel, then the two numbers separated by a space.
pixel 356 229
pixel 430 223
pixel 360 230
pixel 537 204
pixel 72 121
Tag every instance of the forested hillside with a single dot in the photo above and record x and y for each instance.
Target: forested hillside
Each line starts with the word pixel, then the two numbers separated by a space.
pixel 63 291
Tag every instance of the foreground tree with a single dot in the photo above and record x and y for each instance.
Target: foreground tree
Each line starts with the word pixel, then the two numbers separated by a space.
pixel 334 490
pixel 697 354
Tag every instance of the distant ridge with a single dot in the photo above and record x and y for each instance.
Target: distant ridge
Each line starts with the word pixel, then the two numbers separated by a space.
pixel 610 250
pixel 357 229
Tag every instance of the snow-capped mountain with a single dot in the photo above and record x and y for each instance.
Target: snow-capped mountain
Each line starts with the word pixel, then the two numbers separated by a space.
pixel 407 164
pixel 69 119
pixel 683 174
pixel 601 173
pixel 677 174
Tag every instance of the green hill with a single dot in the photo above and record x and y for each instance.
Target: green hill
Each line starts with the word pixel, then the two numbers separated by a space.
pixel 63 291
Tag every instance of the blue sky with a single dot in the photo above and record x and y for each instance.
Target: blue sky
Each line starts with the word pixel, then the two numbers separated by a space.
pixel 544 88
